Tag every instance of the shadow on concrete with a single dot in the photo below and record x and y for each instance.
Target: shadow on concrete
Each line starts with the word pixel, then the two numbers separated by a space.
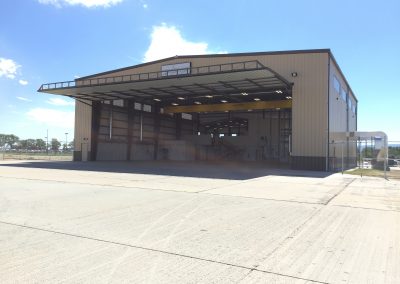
pixel 197 169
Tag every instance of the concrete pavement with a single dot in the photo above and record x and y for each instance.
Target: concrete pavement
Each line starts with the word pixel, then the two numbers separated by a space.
pixel 82 222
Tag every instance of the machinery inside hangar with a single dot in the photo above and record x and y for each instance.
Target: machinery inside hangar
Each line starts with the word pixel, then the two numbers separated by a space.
pixel 234 111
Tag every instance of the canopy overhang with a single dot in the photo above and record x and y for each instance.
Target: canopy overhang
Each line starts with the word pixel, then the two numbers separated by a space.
pixel 235 82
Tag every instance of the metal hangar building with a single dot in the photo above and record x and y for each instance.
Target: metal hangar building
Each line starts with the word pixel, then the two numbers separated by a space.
pixel 286 108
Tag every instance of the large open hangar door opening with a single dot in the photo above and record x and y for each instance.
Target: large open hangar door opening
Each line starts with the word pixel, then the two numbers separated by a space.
pixel 242 135
pixel 235 111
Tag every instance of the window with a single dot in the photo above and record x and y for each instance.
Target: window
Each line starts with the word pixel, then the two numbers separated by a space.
pixel 336 84
pixel 147 108
pixel 176 69
pixel 343 94
pixel 119 103
pixel 186 116
pixel 138 106
pixel 349 104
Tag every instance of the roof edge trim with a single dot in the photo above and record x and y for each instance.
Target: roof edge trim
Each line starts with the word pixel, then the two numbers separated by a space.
pixel 326 50
pixel 341 73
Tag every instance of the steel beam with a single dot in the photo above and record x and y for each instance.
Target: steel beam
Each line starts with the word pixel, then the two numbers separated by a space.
pixel 282 104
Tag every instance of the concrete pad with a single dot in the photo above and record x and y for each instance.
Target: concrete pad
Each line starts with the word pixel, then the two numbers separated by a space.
pixel 262 277
pixel 34 256
pixel 295 189
pixel 98 226
pixel 221 228
pixel 342 245
pixel 159 182
pixel 186 184
pixel 373 193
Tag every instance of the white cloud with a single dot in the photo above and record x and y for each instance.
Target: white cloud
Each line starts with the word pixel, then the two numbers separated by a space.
pixel 59 102
pixel 23 82
pixel 8 68
pixel 51 117
pixel 144 4
pixel 167 41
pixel 85 3
pixel 24 99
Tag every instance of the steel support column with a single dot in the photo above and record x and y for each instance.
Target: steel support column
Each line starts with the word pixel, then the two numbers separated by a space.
pixel 131 120
pixel 96 114
pixel 157 122
pixel 178 125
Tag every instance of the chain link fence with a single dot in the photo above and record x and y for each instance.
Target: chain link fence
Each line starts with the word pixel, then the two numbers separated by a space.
pixel 25 154
pixel 366 157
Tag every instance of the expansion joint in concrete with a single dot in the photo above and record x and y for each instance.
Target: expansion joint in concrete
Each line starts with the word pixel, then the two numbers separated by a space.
pixel 251 269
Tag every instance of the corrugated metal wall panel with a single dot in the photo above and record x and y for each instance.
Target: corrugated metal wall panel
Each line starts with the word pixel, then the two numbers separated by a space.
pixel 337 105
pixel 342 120
pixel 83 125
pixel 309 108
pixel 353 116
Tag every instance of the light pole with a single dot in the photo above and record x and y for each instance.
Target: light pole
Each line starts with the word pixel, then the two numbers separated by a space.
pixel 66 141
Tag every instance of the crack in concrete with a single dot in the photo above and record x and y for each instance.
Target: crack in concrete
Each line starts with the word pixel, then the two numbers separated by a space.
pixel 339 192
pixel 171 190
pixel 160 251
pixel 367 208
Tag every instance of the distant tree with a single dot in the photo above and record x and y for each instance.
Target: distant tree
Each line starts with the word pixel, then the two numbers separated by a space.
pixel 8 139
pixel 26 144
pixel 55 144
pixel 71 145
pixel 394 152
pixel 22 144
pixel 367 152
pixel 40 144
pixel 12 140
pixel 31 144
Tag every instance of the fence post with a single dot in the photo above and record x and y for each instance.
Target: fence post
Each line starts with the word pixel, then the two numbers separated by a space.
pixel 385 162
pixel 362 160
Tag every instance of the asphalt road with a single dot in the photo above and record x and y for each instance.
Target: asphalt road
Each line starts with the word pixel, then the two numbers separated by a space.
pixel 185 223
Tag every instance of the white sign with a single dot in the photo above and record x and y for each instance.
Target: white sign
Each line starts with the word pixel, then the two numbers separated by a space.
pixel 175 69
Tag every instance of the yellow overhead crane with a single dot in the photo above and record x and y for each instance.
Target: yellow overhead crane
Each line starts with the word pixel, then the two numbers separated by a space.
pixel 281 104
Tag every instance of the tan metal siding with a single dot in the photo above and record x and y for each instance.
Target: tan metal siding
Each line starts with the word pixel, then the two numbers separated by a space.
pixel 337 105
pixel 342 120
pixel 309 108
pixel 353 115
pixel 338 108
pixel 83 125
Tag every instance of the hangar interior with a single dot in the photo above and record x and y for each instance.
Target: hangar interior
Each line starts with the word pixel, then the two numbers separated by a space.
pixel 233 111
pixel 229 135
pixel 220 112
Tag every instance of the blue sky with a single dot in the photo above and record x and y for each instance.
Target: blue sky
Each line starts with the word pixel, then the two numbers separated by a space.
pixel 45 41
